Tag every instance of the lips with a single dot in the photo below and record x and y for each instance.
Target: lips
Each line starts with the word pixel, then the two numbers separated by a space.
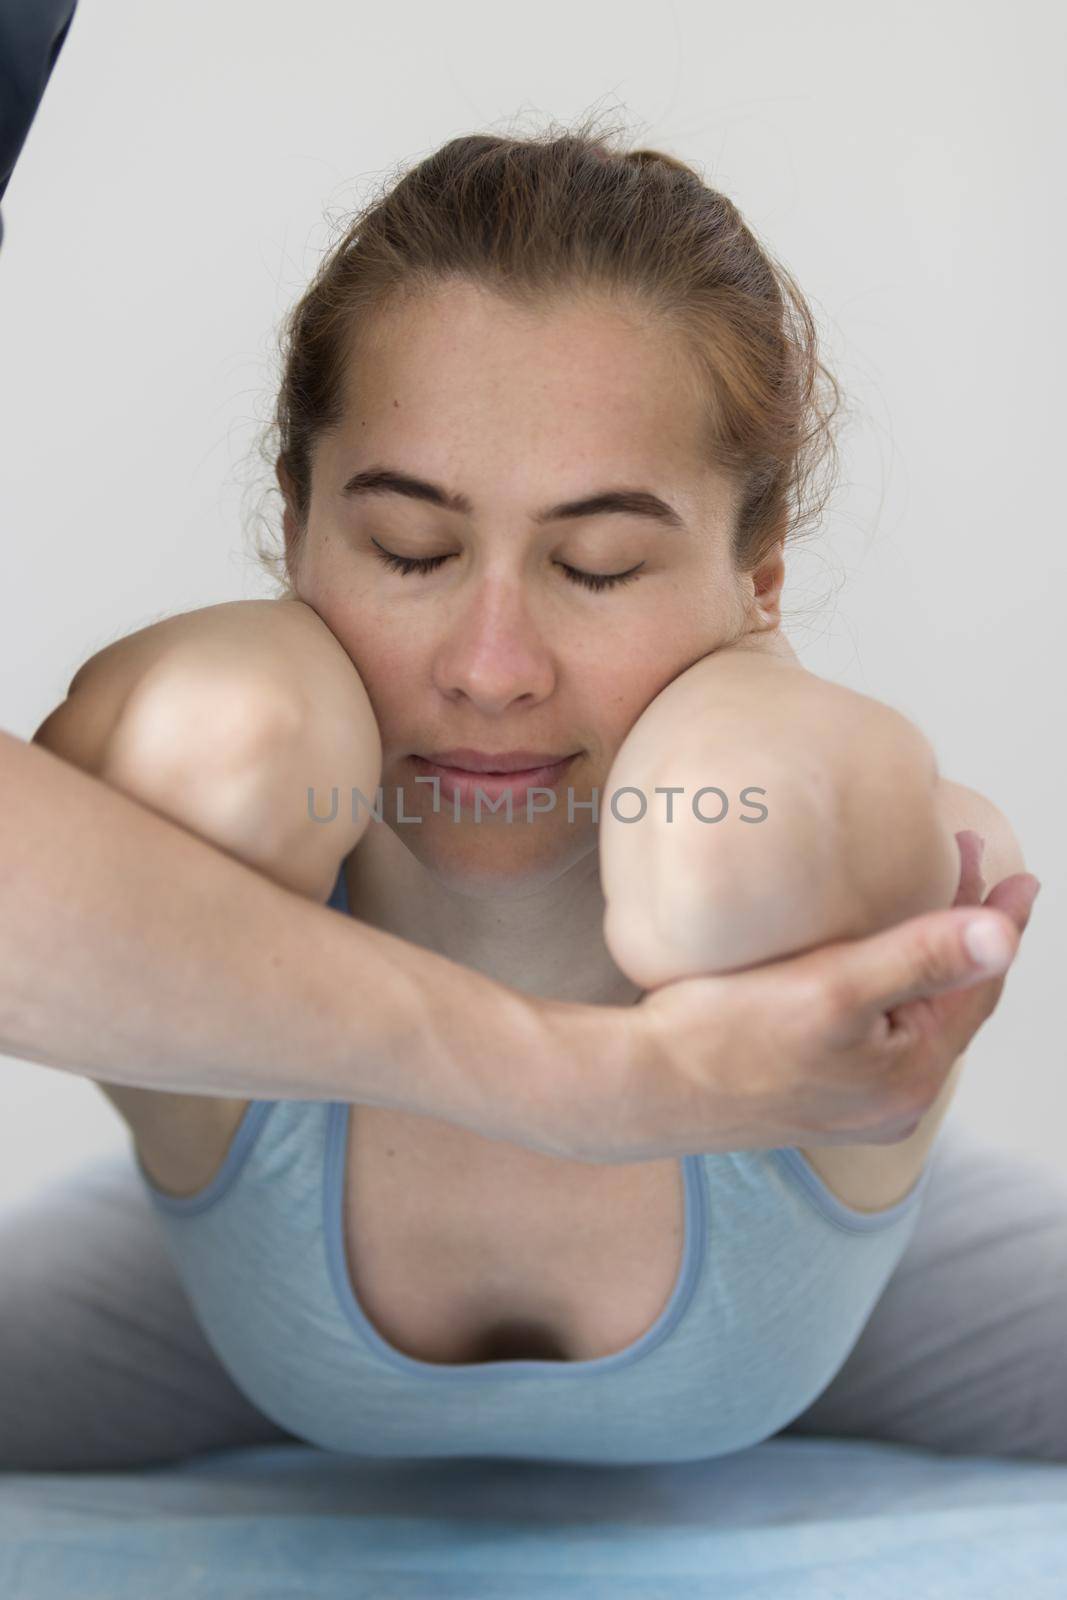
pixel 463 758
pixel 465 784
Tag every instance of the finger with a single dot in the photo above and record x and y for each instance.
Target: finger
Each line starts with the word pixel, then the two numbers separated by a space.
pixel 971 845
pixel 1015 896
pixel 956 1015
pixel 916 959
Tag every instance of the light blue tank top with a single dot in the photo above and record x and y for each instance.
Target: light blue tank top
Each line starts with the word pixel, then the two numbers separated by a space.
pixel 777 1280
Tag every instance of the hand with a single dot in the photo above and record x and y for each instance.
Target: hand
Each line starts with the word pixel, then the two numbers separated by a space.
pixel 849 1043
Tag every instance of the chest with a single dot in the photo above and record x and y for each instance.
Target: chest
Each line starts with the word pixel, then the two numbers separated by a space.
pixel 463 1249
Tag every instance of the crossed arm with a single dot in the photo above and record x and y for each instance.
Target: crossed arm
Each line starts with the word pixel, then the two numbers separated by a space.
pixel 856 833
pixel 203 716
pixel 833 821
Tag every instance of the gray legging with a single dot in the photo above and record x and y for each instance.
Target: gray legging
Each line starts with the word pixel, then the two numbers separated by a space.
pixel 103 1364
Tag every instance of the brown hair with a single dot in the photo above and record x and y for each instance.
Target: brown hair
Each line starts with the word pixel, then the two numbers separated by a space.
pixel 565 215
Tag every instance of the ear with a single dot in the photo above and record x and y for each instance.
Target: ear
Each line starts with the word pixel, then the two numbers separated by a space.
pixel 767 581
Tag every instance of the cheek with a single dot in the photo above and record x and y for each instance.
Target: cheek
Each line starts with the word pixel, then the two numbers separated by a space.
pixel 644 679
pixel 394 681
pixel 611 717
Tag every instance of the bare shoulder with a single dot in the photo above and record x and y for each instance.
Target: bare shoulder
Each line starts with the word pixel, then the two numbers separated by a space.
pixel 181 1139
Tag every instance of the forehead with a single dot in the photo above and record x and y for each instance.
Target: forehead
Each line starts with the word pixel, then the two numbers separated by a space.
pixel 451 319
pixel 578 376
pixel 519 409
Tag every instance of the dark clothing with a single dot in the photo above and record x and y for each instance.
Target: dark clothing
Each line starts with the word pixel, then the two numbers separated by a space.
pixel 32 33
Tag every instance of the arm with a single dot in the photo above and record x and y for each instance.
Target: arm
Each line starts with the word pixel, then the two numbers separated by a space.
pixel 962 808
pixel 202 718
pixel 133 950
pixel 865 839
pixel 875 1175
pixel 828 825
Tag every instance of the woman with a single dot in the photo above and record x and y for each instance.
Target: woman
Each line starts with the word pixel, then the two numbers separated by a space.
pixel 613 1346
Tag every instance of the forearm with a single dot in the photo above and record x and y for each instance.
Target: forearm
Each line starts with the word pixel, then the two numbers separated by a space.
pixel 132 950
pixel 838 835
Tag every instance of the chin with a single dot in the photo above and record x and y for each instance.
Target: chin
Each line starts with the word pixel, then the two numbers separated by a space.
pixel 483 863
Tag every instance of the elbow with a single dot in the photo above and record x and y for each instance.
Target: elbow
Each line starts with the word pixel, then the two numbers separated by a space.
pixel 178 727
pixel 251 768
pixel 710 893
pixel 211 756
pixel 932 878
pixel 903 854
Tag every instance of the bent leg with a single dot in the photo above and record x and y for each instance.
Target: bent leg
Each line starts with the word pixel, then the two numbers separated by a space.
pixel 965 1352
pixel 102 1361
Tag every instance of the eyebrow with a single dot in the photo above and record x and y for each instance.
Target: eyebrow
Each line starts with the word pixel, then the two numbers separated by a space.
pixel 628 502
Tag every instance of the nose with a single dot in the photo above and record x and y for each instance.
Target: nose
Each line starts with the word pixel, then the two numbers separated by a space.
pixel 493 652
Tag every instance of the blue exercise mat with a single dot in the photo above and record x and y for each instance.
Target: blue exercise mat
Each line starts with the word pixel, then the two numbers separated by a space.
pixel 789 1519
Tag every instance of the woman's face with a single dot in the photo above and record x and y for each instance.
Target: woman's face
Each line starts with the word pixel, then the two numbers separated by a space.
pixel 500 647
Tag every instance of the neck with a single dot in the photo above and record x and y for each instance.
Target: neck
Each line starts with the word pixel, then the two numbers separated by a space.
pixel 544 938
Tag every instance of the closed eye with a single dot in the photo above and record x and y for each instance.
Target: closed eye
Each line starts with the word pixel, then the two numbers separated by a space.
pixel 406 565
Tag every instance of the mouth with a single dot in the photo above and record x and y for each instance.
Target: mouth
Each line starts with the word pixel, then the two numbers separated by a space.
pixel 464 781
pixel 501 763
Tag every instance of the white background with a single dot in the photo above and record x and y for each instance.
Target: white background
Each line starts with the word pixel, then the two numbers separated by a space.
pixel 191 161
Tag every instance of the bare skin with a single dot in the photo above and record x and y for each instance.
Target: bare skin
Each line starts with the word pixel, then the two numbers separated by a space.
pixel 498 1257
pixel 499 647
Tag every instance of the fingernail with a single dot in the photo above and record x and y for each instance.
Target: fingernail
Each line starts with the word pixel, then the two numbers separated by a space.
pixel 987 945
